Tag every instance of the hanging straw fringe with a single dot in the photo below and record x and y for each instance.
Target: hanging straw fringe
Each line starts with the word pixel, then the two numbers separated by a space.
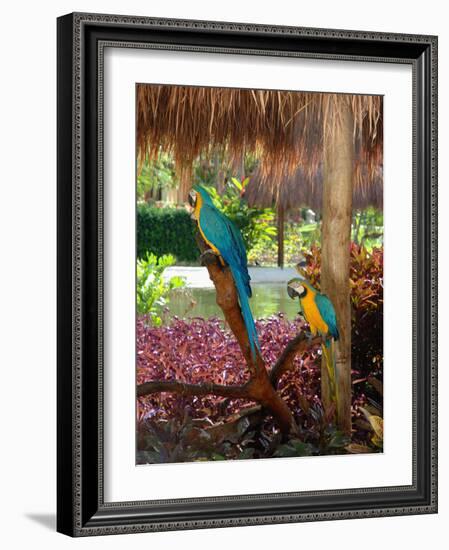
pixel 282 129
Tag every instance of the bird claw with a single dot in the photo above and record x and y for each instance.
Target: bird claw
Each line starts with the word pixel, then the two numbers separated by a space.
pixel 208 257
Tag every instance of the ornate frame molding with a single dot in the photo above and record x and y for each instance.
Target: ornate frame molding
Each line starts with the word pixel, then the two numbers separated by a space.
pixel 82 511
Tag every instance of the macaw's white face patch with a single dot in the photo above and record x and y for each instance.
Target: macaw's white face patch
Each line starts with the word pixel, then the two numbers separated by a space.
pixel 297 287
pixel 192 198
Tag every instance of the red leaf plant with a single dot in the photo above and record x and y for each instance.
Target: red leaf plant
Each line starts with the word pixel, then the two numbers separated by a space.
pixel 199 350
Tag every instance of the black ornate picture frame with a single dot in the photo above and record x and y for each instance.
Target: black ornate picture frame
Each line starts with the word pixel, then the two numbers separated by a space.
pixel 81 510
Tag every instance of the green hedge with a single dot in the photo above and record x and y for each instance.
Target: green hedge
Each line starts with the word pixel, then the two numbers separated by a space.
pixel 166 231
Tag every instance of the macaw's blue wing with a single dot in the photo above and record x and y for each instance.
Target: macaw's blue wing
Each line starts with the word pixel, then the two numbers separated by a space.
pixel 240 250
pixel 327 312
pixel 225 236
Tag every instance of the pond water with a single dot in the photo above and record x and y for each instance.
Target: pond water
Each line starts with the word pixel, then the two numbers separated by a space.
pixel 267 299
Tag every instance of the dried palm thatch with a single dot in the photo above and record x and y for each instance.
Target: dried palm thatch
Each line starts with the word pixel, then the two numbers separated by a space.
pixel 304 189
pixel 284 130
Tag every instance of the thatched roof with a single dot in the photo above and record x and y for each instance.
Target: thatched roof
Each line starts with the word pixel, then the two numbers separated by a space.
pixel 282 129
pixel 304 189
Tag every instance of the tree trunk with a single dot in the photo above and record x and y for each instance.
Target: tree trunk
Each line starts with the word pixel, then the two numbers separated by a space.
pixel 280 224
pixel 336 236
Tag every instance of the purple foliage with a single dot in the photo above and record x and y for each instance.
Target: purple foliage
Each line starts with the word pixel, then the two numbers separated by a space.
pixel 198 350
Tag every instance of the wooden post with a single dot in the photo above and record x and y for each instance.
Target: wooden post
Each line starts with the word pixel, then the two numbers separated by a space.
pixel 280 228
pixel 336 238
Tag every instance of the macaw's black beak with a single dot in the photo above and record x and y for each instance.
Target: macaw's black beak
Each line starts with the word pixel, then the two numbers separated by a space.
pixel 192 199
pixel 291 292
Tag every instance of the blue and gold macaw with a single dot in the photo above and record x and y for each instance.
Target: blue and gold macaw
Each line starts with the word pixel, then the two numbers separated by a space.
pixel 319 312
pixel 225 240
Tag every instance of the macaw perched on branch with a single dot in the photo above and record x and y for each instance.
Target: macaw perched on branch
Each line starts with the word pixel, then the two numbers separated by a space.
pixel 226 241
pixel 319 312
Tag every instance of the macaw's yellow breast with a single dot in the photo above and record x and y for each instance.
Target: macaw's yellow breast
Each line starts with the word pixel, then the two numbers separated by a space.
pixel 312 314
pixel 197 208
pixel 196 213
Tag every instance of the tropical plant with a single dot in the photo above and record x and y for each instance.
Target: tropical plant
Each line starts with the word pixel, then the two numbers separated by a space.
pixel 186 439
pixel 154 176
pixel 298 237
pixel 176 440
pixel 151 287
pixel 377 425
pixel 367 227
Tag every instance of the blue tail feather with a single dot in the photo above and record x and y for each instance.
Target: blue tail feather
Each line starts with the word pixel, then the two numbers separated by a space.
pixel 241 286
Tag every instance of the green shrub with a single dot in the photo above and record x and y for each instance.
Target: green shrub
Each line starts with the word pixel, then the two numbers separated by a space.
pixel 152 289
pixel 166 231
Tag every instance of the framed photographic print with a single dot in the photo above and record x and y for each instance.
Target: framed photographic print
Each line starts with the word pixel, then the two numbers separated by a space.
pixel 247 274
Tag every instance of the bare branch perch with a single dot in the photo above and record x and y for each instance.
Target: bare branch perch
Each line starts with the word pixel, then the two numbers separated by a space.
pixel 297 345
pixel 208 388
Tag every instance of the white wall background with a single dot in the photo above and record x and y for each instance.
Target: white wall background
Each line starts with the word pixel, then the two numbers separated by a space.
pixel 28 267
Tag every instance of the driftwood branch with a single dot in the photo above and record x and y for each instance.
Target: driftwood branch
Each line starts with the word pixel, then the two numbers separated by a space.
pixel 207 388
pixel 297 345
pixel 262 386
